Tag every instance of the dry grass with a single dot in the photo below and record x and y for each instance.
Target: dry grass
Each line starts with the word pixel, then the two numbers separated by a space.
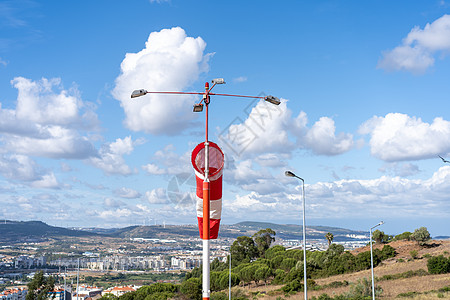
pixel 421 285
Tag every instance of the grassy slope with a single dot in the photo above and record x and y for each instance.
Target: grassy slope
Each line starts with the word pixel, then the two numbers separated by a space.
pixel 391 288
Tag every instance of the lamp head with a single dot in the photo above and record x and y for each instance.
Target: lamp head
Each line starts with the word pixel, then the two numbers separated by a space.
pixel 289 174
pixel 218 81
pixel 381 223
pixel 272 99
pixel 138 93
pixel 198 107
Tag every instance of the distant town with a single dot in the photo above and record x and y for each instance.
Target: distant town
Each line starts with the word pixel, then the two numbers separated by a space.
pixel 94 255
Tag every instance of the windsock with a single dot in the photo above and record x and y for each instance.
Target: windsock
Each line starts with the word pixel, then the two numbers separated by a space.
pixel 216 160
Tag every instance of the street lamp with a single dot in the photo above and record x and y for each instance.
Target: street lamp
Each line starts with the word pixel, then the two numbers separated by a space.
pixel 290 174
pixel 371 259
pixel 229 279
pixel 198 107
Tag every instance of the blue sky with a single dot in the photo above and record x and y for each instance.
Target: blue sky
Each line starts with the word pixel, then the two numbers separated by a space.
pixel 363 118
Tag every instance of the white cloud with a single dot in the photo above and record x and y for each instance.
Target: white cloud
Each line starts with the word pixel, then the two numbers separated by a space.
pixel 47 121
pixel 127 193
pixel 110 202
pixel 2 62
pixel 170 61
pixel 397 137
pixel 172 162
pixel 271 129
pixel 156 196
pixel 115 214
pixel 240 79
pixel 400 169
pixel 22 168
pixel 386 197
pixel 111 159
pixel 321 138
pixel 46 181
pixel 153 169
pixel 418 48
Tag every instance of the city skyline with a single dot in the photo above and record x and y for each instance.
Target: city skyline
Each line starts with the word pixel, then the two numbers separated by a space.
pixel 363 115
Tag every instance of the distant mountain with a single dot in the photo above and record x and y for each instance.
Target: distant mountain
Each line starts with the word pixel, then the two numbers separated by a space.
pixel 292 231
pixel 16 231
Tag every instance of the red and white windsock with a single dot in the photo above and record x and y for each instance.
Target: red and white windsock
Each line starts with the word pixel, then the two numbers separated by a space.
pixel 216 160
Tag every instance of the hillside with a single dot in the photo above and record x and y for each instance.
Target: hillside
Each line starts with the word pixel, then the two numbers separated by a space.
pixel 35 231
pixel 419 286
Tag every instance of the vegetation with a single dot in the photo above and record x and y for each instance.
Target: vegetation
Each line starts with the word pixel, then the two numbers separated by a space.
pixel 403 236
pixel 255 262
pixel 380 237
pixel 421 235
pixel 438 265
pixel 40 286
pixel 329 236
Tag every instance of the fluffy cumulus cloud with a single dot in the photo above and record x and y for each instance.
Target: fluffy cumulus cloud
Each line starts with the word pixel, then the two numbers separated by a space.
pixel 21 168
pixel 270 129
pixel 417 51
pixel 48 121
pixel 386 196
pixel 156 196
pixel 127 193
pixel 169 162
pixel 322 138
pixel 111 159
pixel 397 137
pixel 170 61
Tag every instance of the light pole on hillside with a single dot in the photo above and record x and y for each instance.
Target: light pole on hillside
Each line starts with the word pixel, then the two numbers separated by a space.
pixel 198 107
pixel 371 259
pixel 290 174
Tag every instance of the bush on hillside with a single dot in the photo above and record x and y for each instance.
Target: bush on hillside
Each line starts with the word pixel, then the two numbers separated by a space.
pixel 403 236
pixel 438 265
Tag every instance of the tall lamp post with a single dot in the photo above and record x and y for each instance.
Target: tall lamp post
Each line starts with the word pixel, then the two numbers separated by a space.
pixel 198 107
pixel 371 259
pixel 229 279
pixel 290 174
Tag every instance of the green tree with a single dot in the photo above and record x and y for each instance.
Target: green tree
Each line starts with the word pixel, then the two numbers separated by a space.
pixel 274 251
pixel 263 239
pixel 192 289
pixel 380 237
pixel 242 250
pixel 288 263
pixel 421 235
pixel 263 273
pixel 329 236
pixel 40 286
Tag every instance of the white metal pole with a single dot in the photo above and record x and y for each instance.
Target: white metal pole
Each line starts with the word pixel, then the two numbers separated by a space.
pixel 65 271
pixel 304 241
pixel 371 265
pixel 229 280
pixel 206 211
pixel 371 259
pixel 78 276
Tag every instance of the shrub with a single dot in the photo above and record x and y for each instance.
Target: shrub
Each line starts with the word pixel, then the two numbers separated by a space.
pixel 387 252
pixel 413 254
pixel 293 286
pixel 362 289
pixel 438 265
pixel 403 236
